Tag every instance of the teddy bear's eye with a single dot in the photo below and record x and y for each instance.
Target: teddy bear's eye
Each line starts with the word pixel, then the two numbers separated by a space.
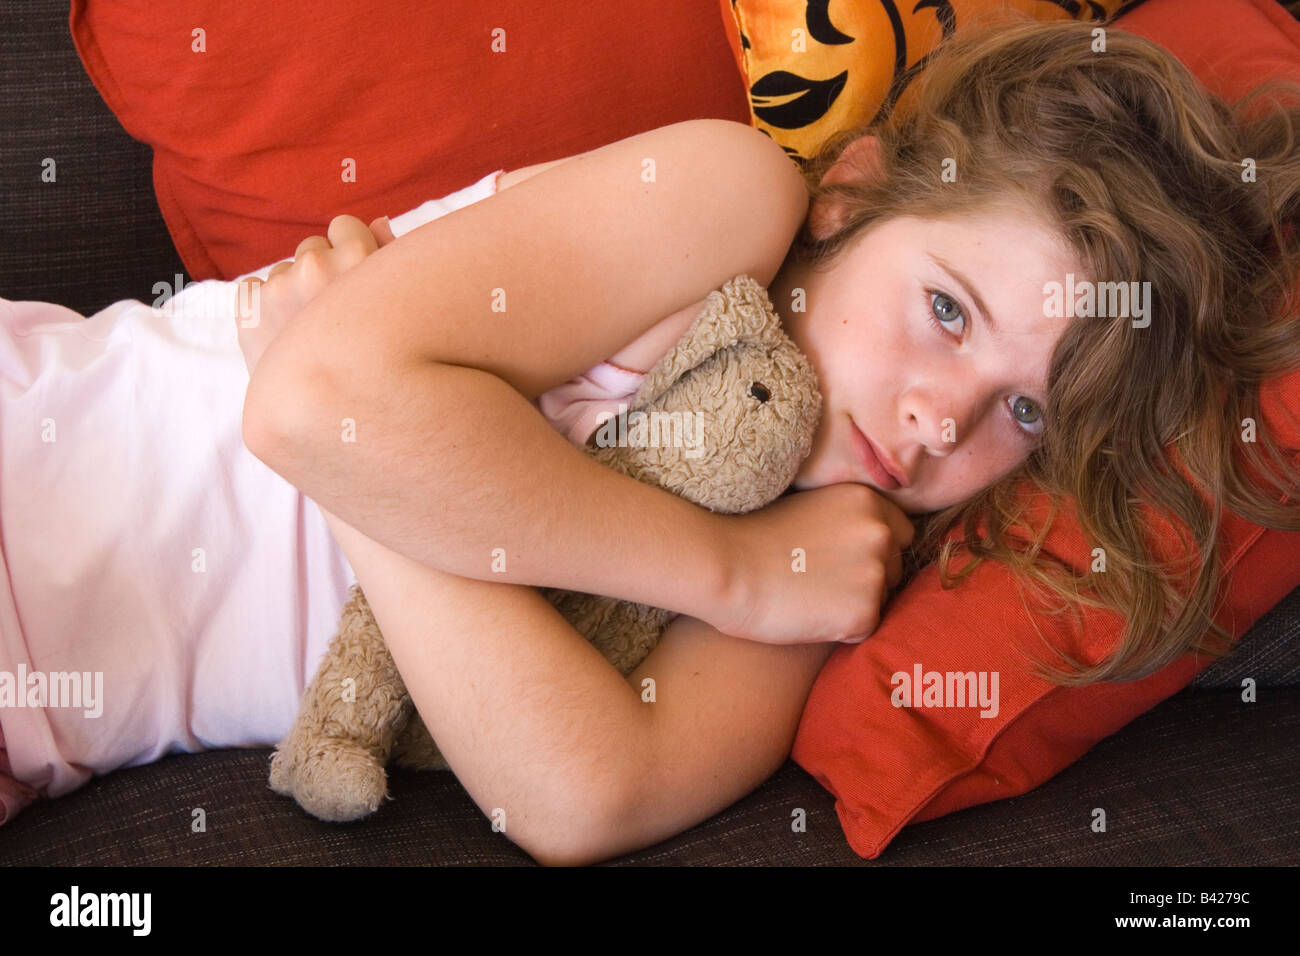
pixel 760 392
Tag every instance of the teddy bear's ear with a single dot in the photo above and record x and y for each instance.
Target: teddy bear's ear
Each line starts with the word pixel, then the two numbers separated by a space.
pixel 738 313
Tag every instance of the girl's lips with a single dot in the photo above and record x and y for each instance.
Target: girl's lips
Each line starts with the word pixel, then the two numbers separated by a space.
pixel 867 455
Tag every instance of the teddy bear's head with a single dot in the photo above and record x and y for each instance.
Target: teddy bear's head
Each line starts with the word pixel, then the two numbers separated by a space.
pixel 727 415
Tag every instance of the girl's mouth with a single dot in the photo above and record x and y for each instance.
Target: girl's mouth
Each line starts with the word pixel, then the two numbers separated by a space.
pixel 871 461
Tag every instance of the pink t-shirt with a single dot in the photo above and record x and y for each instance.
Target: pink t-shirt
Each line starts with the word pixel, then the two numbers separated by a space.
pixel 162 590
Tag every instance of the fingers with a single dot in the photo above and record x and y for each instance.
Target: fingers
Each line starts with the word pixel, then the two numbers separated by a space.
pixel 894 568
pixel 903 532
pixel 343 231
pixel 899 523
pixel 383 231
pixel 311 242
pixel 897 533
pixel 349 229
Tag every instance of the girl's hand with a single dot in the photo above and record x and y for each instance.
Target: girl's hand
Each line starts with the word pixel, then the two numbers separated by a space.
pixel 850 540
pixel 290 285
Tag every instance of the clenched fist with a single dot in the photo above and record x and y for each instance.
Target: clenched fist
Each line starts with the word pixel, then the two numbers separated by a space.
pixel 849 541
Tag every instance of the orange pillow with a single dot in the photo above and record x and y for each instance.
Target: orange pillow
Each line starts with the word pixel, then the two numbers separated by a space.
pixel 814 69
pixel 887 765
pixel 268 119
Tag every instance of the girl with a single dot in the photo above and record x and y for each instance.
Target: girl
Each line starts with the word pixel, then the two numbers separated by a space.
pixel 393 394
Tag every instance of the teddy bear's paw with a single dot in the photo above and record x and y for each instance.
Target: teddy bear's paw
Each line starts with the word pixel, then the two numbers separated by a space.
pixel 285 761
pixel 338 781
pixel 282 773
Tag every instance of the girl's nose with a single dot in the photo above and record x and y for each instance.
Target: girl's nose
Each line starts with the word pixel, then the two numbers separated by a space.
pixel 942 413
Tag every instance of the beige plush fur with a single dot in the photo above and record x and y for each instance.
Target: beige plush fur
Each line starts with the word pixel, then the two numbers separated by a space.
pixel 759 401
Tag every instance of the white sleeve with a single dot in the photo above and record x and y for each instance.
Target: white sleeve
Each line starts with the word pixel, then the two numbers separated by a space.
pixel 434 208
pixel 425 212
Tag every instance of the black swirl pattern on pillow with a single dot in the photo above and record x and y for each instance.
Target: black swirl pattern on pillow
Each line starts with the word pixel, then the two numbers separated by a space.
pixel 816 67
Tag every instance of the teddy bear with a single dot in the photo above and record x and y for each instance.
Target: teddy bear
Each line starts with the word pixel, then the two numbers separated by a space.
pixel 754 401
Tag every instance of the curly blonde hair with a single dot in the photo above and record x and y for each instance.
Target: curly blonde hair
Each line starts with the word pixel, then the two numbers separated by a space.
pixel 1149 177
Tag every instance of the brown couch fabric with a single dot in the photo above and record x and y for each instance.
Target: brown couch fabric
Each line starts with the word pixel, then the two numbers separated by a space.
pixel 1203 779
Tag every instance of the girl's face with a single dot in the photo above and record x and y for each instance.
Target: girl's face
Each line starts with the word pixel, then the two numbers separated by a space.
pixel 929 339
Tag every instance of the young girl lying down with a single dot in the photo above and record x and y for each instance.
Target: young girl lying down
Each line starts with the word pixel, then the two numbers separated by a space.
pixel 385 382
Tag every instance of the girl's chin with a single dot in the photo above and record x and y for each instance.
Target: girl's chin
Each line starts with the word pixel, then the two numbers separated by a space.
pixel 818 475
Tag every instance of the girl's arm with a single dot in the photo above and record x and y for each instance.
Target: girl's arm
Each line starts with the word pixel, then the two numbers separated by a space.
pixel 579 763
pixel 398 399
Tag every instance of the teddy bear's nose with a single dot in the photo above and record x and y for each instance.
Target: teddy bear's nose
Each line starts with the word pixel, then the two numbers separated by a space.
pixel 760 392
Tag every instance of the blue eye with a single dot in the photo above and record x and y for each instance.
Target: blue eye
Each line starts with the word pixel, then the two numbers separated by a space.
pixel 1022 402
pixel 944 309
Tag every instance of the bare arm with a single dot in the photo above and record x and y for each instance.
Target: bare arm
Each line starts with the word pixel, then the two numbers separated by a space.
pixel 536 723
pixel 533 721
pixel 449 460
pixel 724 720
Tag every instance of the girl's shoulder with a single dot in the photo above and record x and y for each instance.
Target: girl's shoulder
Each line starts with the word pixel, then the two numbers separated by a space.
pixel 761 166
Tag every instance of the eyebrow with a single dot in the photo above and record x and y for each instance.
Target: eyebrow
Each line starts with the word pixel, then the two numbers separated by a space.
pixel 969 289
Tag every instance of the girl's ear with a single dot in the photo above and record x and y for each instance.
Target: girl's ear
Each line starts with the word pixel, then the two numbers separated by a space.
pixel 859 161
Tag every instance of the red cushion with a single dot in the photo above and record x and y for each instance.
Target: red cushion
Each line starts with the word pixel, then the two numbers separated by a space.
pixel 887 765
pixel 249 137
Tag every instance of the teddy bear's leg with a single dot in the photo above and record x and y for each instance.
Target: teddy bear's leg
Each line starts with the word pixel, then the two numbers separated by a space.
pixel 332 761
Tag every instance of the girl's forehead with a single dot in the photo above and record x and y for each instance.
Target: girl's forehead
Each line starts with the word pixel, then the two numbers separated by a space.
pixel 1005 237
pixel 1008 238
